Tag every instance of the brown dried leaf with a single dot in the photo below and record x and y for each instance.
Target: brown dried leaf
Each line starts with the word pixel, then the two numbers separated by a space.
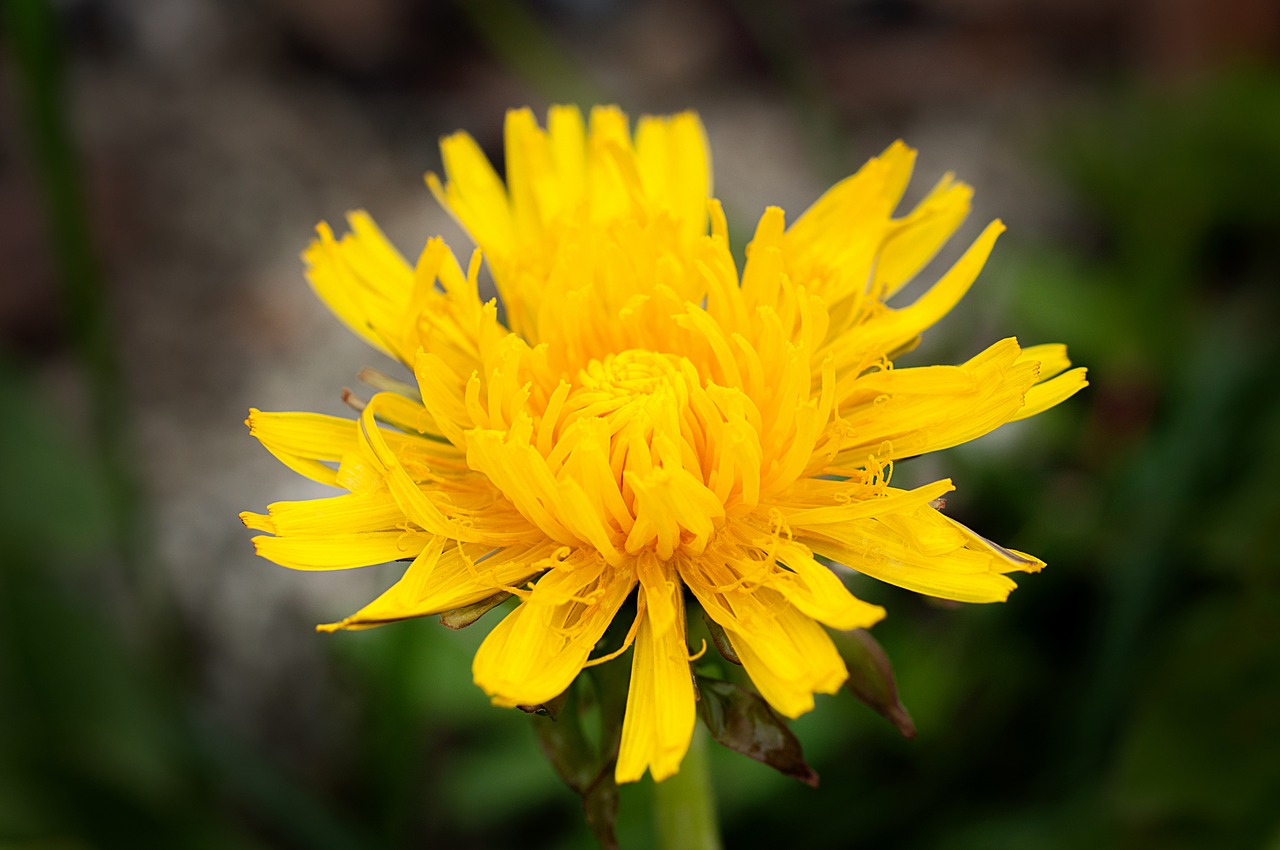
pixel 744 722
pixel 871 677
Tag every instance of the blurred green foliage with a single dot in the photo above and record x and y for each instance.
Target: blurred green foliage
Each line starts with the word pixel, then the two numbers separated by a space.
pixel 1129 697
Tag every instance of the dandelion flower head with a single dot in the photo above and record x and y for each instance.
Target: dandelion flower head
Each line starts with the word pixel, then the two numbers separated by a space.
pixel 642 417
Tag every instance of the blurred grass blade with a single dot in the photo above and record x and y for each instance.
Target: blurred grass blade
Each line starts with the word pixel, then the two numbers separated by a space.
pixel 33 39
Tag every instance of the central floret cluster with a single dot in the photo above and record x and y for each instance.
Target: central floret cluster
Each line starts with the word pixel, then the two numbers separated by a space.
pixel 625 459
pixel 639 427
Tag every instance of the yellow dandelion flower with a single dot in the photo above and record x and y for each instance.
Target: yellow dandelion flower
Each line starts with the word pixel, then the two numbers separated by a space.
pixel 646 419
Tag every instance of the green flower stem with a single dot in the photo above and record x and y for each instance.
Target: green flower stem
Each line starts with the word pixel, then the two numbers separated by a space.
pixel 685 804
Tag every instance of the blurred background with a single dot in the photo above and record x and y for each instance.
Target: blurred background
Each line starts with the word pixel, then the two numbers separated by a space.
pixel 163 163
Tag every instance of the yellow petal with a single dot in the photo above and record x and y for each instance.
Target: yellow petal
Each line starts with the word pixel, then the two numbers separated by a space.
pixel 537 650
pixel 362 279
pixel 919 552
pixel 347 514
pixel 417 503
pixel 893 329
pixel 450 576
pixel 1045 395
pixel 911 242
pixel 790 660
pixel 935 407
pixel 788 656
pixel 837 502
pixel 517 469
pixel 1052 358
pixel 304 441
pixel 818 593
pixel 660 713
pixel 475 193
pixel 568 143
pixel 328 551
pixel 675 167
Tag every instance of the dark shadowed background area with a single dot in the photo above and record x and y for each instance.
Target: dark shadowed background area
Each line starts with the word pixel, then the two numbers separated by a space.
pixel 163 162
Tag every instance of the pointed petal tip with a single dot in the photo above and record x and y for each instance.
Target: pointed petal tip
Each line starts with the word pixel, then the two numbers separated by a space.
pixel 1025 563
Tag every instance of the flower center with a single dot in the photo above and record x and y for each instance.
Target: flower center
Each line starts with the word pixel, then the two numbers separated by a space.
pixel 630 436
pixel 630 373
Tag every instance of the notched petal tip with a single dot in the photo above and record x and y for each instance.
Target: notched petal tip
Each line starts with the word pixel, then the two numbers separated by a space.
pixel 257 522
pixel 897 147
pixel 435 184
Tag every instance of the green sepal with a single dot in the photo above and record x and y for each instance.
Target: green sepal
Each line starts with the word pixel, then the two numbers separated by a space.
pixel 721 640
pixel 744 722
pixel 871 677
pixel 585 761
pixel 460 618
